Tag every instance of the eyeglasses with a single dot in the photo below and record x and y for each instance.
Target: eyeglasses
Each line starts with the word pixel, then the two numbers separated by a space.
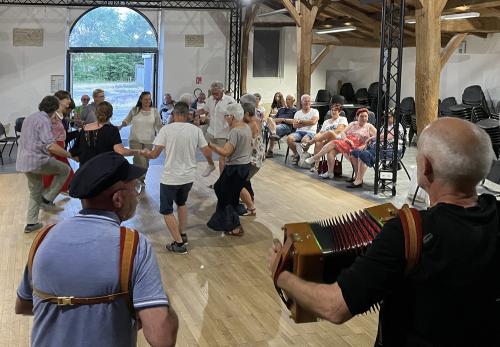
pixel 137 187
pixel 227 115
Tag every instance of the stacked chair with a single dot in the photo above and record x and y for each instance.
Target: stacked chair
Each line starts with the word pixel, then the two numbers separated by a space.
pixel 322 103
pixel 492 127
pixel 408 116
pixel 373 96
pixel 347 91
pixel 474 107
pixel 362 97
pixel 444 106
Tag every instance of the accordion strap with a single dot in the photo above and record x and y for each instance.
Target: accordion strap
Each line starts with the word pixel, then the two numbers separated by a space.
pixel 412 227
pixel 280 264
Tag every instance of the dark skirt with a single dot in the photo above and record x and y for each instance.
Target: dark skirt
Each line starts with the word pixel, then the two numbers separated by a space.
pixel 227 189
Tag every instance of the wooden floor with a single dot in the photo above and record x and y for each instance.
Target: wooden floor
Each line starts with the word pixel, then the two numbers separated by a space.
pixel 221 290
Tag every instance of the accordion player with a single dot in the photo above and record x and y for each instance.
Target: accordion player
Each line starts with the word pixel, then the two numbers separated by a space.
pixel 318 251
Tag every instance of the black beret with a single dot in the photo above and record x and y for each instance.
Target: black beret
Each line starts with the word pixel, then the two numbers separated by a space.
pixel 100 173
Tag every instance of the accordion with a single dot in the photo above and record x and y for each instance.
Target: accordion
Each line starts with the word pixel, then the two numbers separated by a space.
pixel 319 251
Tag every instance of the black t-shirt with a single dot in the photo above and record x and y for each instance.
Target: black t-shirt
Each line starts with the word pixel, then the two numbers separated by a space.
pixel 450 297
pixel 90 143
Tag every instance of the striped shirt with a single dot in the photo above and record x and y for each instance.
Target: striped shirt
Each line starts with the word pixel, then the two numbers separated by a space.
pixel 36 137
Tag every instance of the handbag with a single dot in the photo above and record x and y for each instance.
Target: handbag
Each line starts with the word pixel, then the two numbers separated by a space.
pixel 322 166
pixel 337 168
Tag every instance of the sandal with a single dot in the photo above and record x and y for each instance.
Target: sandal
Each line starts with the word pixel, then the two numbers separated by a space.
pixel 235 232
pixel 305 145
pixel 250 212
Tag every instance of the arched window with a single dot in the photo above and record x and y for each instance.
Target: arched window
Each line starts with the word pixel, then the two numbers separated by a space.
pixel 115 49
pixel 112 27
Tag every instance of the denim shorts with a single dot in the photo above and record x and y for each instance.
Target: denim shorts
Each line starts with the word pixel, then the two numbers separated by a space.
pixel 283 129
pixel 171 193
pixel 299 135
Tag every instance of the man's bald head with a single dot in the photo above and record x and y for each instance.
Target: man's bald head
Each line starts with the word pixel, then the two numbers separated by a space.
pixel 460 152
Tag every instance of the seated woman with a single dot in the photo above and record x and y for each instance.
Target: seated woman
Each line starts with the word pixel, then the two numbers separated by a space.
pixel 362 158
pixel 278 102
pixel 354 136
pixel 260 111
pixel 237 150
pixel 100 136
pixel 330 129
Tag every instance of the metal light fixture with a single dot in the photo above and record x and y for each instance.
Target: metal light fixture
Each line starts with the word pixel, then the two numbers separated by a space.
pixel 271 13
pixel 336 30
pixel 453 16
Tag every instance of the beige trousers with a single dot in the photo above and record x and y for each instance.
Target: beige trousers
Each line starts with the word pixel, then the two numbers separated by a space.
pixel 138 159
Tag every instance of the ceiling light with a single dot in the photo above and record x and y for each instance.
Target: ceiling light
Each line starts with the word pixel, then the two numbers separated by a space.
pixel 460 16
pixel 336 30
pixel 283 10
pixel 454 16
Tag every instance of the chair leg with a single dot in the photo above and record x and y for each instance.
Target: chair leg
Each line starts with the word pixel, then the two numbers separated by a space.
pixel 12 146
pixel 287 152
pixel 415 195
pixel 279 146
pixel 404 167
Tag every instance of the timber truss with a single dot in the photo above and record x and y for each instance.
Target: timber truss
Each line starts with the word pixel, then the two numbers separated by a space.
pixel 233 6
pixel 389 94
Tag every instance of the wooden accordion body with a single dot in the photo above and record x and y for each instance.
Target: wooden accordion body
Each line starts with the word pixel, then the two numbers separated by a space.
pixel 319 251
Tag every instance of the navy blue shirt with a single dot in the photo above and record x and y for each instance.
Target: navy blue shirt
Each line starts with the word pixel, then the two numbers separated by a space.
pixel 286 112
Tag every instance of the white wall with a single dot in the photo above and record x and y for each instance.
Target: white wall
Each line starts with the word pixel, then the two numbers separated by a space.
pixel 25 71
pixel 181 65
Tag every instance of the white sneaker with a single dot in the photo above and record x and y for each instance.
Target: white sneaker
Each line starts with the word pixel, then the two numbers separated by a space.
pixel 313 169
pixel 208 170
pixel 309 160
pixel 326 175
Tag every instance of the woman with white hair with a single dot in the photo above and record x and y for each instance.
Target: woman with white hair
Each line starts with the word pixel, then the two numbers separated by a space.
pixel 237 150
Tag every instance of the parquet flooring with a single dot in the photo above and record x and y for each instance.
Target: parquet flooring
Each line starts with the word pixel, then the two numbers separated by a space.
pixel 221 290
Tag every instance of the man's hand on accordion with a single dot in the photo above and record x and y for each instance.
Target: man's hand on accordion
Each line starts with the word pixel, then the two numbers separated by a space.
pixel 274 252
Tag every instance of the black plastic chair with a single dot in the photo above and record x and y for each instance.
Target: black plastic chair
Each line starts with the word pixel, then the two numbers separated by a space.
pixel 6 140
pixel 347 91
pixel 407 107
pixel 362 96
pixel 444 107
pixel 323 95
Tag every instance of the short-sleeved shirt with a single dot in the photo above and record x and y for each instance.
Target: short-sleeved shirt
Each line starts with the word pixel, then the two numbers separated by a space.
pixel 90 143
pixel 180 141
pixel 286 113
pixel 88 113
pixel 451 296
pixel 332 124
pixel 145 125
pixel 300 115
pixel 241 139
pixel 36 137
pixel 216 109
pixel 80 257
pixel 58 129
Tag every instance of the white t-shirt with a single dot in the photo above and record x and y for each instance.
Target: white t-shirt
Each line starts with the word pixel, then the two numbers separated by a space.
pixel 313 113
pixel 180 141
pixel 331 124
pixel 218 127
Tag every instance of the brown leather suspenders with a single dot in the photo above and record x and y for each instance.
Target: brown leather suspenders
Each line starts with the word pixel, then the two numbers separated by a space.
pixel 129 239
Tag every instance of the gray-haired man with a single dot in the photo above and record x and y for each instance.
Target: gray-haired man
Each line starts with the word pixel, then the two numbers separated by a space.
pixel 217 130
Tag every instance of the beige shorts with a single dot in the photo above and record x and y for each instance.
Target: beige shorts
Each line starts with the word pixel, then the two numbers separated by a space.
pixel 218 142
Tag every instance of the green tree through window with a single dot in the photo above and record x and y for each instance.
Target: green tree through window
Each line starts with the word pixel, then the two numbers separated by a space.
pixel 112 27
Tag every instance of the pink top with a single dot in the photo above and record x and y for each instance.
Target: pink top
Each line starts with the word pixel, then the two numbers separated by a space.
pixel 58 130
pixel 362 133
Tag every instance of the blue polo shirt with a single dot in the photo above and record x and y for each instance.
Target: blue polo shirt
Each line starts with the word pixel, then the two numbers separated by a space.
pixel 80 257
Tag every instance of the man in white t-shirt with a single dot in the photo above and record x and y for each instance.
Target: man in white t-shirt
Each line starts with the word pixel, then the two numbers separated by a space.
pixel 180 141
pixel 217 130
pixel 304 122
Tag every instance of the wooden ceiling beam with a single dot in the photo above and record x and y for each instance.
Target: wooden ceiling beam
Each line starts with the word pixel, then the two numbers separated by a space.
pixel 472 25
pixel 462 6
pixel 319 58
pixel 451 47
pixel 292 11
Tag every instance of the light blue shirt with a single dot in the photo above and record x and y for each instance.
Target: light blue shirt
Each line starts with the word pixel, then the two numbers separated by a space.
pixel 80 257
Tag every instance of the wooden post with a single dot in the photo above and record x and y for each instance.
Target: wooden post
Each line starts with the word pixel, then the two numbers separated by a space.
pixel 428 67
pixel 247 27
pixel 319 58
pixel 304 48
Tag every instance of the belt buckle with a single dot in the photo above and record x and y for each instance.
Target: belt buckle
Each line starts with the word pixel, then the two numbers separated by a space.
pixel 64 300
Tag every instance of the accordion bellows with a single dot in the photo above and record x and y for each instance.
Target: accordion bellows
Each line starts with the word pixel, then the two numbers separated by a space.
pixel 318 251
